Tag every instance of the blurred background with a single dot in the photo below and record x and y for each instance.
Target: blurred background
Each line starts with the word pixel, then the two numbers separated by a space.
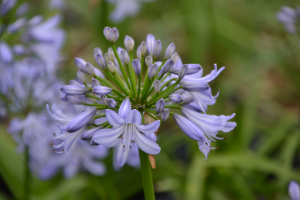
pixel 261 84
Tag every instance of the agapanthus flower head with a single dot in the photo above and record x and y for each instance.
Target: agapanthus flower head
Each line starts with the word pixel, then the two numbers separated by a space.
pixel 125 107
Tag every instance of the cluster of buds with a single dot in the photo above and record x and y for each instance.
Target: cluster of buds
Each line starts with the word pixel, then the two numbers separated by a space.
pixel 127 99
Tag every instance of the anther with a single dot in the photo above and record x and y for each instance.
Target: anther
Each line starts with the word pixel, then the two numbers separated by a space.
pixel 210 151
pixel 51 144
pixel 123 145
pixel 217 147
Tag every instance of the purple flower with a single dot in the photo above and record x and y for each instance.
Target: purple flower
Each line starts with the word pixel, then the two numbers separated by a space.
pixel 127 130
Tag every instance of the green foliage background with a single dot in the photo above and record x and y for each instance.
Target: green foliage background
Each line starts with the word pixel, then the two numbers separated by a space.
pixel 261 84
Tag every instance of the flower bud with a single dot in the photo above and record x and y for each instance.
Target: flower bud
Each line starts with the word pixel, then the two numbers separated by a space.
pixel 164 115
pixel 157 86
pixel 5 6
pixel 95 82
pixel 152 70
pixel 101 90
pixel 35 20
pixel 106 32
pixel 111 66
pixel 72 99
pixel 113 35
pixel 149 60
pixel 97 50
pixel 110 55
pixel 81 76
pixel 22 9
pixel 136 65
pixel 175 57
pixel 73 89
pixel 90 69
pixel 182 72
pixel 170 50
pixel 129 43
pixel 81 64
pixel 157 49
pixel 167 66
pixel 16 25
pixel 124 57
pixel 81 120
pixel 150 40
pixel 176 98
pixel 160 104
pixel 111 103
pixel 100 61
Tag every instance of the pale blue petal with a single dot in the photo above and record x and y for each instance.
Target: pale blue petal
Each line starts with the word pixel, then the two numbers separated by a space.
pixel 113 118
pixel 188 127
pixel 125 107
pixel 121 155
pixel 294 190
pixel 108 136
pixel 133 117
pixel 145 144
pixel 149 128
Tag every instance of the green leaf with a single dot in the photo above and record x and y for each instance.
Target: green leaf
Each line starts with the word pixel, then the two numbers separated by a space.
pixel 11 164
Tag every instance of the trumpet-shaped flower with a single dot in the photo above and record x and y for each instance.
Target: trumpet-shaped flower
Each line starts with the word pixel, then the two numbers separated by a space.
pixel 127 131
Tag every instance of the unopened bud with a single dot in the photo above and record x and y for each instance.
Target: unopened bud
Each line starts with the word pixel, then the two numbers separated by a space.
pixel 152 71
pixel 110 54
pixel 81 76
pixel 182 72
pixel 157 49
pixel 175 57
pixel 149 60
pixel 129 43
pixel 124 57
pixel 111 103
pixel 167 66
pixel 95 82
pixel 170 50
pixel 157 86
pixel 164 115
pixel 100 61
pixel 22 9
pixel 97 50
pixel 90 69
pixel 111 34
pixel 176 98
pixel 106 32
pixel 160 104
pixel 111 66
pixel 101 90
pixel 81 64
pixel 136 65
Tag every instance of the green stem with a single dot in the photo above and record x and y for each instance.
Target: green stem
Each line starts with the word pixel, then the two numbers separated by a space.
pixel 27 174
pixel 146 176
pixel 121 66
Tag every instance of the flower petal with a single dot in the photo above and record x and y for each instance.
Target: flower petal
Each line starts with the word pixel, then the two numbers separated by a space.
pixel 188 127
pixel 121 155
pixel 81 120
pixel 113 118
pixel 145 144
pixel 108 136
pixel 125 107
pixel 133 117
pixel 149 128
